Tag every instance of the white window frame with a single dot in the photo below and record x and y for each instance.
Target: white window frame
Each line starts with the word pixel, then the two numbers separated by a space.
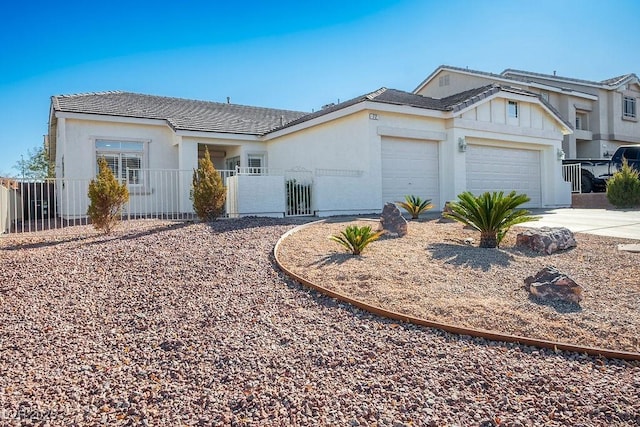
pixel 582 120
pixel 512 109
pixel 443 80
pixel 629 107
pixel 256 170
pixel 121 147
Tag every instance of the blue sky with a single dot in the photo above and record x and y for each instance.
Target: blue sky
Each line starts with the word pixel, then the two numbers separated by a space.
pixel 294 55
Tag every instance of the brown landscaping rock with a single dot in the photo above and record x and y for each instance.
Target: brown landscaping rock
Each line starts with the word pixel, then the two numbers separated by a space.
pixel 392 220
pixel 550 284
pixel 546 239
pixel 446 210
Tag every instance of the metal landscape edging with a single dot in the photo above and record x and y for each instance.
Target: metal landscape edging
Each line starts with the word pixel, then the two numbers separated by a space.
pixel 477 333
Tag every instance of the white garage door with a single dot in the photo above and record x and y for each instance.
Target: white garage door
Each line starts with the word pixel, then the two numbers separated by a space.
pixel 409 167
pixel 504 169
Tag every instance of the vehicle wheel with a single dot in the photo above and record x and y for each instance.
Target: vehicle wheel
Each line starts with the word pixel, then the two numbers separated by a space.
pixel 587 185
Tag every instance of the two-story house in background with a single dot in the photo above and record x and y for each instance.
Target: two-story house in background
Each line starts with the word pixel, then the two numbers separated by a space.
pixel 604 114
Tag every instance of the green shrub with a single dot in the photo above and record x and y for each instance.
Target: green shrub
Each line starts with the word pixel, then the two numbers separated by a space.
pixel 106 198
pixel 415 205
pixel 355 238
pixel 490 213
pixel 623 188
pixel 208 193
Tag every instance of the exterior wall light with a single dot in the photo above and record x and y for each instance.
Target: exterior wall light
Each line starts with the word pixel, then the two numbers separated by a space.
pixel 560 154
pixel 462 145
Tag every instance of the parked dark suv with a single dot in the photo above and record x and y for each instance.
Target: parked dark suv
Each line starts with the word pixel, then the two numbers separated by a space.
pixel 629 152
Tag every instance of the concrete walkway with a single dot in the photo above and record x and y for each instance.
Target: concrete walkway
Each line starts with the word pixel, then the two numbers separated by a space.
pixel 603 222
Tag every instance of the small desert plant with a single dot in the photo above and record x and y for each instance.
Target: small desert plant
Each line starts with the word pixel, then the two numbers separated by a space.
pixel 623 188
pixel 355 238
pixel 106 198
pixel 490 213
pixel 415 205
pixel 208 193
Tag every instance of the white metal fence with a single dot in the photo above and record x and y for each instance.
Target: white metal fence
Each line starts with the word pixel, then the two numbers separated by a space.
pixel 28 205
pixel 572 173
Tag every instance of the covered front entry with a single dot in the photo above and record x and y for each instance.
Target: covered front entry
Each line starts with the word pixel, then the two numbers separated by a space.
pixel 410 167
pixel 504 169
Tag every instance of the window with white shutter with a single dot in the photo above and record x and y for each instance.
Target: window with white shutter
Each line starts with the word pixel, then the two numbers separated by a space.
pixel 125 159
pixel 255 162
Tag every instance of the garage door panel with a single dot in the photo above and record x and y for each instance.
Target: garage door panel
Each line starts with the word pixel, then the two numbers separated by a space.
pixel 504 169
pixel 409 167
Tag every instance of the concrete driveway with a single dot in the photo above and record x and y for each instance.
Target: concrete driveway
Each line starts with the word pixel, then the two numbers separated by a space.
pixel 603 222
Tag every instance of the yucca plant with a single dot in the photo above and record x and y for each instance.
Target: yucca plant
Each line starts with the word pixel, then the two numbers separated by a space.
pixel 415 205
pixel 490 213
pixel 355 238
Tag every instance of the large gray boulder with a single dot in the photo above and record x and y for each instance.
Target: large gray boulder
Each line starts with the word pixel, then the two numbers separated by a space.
pixel 546 239
pixel 392 220
pixel 550 284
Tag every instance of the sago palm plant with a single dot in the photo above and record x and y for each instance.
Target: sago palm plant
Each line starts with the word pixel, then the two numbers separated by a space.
pixel 355 238
pixel 490 213
pixel 415 205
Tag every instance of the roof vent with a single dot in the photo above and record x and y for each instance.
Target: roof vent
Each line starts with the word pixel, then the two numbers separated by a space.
pixel 325 106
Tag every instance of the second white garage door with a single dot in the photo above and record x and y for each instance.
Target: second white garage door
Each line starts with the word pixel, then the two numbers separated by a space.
pixel 504 169
pixel 410 167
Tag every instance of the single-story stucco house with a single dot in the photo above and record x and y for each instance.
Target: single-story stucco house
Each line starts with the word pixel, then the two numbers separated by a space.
pixel 353 156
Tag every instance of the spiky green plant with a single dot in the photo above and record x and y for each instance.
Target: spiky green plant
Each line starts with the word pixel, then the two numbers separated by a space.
pixel 415 205
pixel 208 193
pixel 355 238
pixel 106 198
pixel 490 213
pixel 623 188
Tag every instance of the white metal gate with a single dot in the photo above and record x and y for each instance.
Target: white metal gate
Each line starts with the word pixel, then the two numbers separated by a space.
pixel 298 184
pixel 572 173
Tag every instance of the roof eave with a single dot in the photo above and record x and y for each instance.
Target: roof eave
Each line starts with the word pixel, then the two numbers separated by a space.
pixel 530 97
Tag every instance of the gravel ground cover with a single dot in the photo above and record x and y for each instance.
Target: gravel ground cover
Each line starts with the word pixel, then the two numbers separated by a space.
pixel 432 274
pixel 191 324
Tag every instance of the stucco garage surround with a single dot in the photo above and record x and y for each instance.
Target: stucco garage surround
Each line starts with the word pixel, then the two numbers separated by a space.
pixel 504 169
pixel 410 167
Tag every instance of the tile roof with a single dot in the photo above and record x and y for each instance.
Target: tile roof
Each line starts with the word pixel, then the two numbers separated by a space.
pixel 615 81
pixel 605 84
pixel 452 103
pixel 180 114
pixel 466 70
pixel 192 115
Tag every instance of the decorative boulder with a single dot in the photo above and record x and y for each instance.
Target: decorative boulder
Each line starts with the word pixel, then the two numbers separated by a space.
pixel 392 220
pixel 447 209
pixel 550 284
pixel 546 240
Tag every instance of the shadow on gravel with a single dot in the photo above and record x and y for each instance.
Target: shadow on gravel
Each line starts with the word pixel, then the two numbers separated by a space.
pixel 470 256
pixel 524 251
pixel 35 245
pixel 225 225
pixel 559 306
pixel 335 259
pixel 147 232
